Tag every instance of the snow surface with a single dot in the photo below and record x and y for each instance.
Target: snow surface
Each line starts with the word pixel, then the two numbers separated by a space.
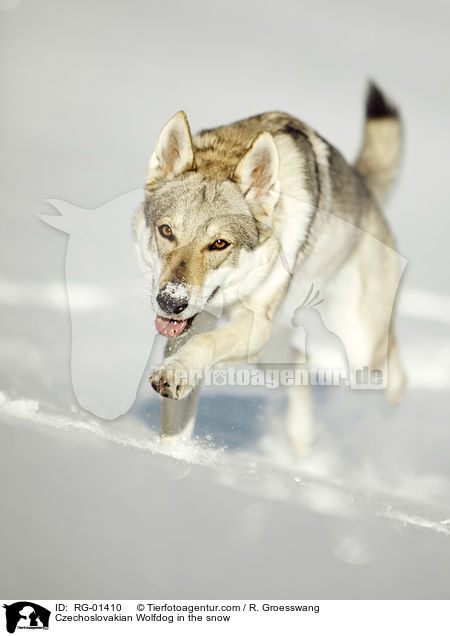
pixel 97 509
pixel 103 509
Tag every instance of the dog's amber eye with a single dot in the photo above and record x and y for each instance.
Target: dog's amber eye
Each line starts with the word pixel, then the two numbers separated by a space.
pixel 220 244
pixel 166 231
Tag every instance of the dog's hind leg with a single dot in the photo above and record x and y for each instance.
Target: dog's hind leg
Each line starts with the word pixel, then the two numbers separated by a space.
pixel 396 379
pixel 384 351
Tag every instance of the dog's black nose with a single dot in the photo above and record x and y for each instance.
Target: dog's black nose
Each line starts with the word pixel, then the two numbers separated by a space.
pixel 169 304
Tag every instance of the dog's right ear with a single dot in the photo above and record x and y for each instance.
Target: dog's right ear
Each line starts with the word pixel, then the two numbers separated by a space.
pixel 174 153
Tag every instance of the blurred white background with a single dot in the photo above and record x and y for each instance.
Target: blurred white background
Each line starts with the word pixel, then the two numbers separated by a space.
pixel 94 509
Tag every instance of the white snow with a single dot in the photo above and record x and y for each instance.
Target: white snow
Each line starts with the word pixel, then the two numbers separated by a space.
pixel 83 297
pixel 177 291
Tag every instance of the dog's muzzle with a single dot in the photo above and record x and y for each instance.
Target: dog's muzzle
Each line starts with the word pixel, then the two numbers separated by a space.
pixel 173 299
pixel 170 304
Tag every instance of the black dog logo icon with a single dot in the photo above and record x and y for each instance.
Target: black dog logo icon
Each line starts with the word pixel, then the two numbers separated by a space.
pixel 30 615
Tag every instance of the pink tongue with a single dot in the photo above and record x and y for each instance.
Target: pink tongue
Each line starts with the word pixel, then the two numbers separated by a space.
pixel 169 328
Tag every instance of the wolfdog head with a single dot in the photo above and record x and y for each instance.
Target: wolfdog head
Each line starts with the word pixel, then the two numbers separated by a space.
pixel 207 209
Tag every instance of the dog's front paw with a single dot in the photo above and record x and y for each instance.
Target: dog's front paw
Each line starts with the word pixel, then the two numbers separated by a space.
pixel 173 380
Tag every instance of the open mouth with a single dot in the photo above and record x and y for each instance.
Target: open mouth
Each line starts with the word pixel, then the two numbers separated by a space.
pixel 172 328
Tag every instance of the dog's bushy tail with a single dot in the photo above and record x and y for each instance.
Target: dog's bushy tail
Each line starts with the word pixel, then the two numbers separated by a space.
pixel 379 159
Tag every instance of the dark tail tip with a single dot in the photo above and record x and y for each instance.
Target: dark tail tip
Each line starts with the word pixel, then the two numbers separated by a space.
pixel 377 106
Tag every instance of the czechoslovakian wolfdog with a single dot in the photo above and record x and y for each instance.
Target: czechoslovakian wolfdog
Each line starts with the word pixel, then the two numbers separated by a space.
pixel 245 217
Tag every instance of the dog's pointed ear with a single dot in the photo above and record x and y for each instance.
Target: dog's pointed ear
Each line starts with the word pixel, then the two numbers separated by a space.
pixel 174 153
pixel 257 172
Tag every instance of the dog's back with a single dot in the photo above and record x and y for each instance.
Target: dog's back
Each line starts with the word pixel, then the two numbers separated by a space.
pixel 353 193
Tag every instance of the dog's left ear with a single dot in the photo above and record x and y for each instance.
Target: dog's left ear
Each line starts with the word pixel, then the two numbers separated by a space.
pixel 174 153
pixel 257 174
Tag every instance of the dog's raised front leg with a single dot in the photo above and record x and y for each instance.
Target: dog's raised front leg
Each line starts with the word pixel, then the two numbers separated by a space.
pixel 240 340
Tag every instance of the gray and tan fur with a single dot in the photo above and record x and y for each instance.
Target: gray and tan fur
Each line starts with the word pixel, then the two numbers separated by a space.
pixel 282 199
